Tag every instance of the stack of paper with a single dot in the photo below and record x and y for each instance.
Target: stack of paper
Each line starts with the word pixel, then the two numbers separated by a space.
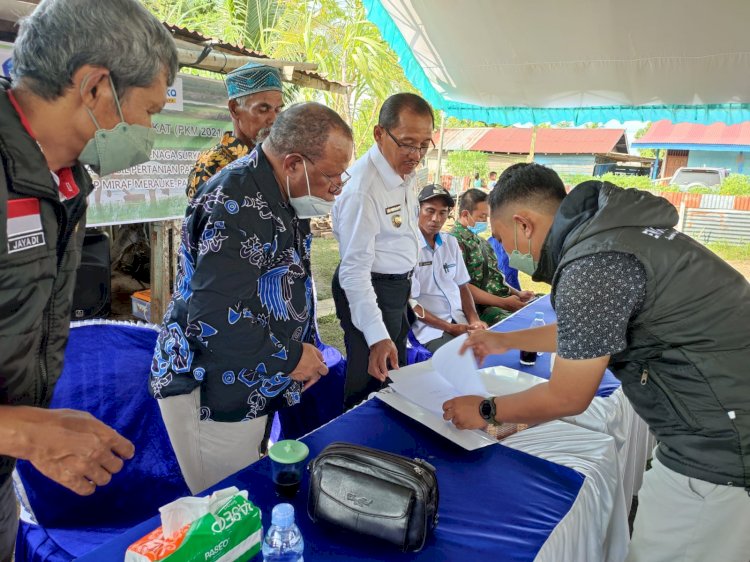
pixel 420 390
pixel 443 377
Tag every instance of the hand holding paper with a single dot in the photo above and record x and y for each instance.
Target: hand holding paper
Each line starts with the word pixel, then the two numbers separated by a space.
pixel 483 343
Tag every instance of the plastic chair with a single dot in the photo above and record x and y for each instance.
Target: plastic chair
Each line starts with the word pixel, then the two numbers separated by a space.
pixel 106 372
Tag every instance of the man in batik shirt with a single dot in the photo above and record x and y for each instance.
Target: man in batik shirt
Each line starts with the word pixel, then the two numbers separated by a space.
pixel 238 339
pixel 494 299
pixel 254 93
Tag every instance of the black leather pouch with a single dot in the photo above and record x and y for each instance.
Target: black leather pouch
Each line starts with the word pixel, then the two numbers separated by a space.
pixel 375 493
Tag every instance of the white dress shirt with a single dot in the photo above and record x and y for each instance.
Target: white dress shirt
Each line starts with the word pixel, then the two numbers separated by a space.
pixel 375 223
pixel 436 284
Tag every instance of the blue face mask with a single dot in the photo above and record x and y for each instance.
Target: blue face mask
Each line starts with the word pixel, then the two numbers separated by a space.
pixel 478 227
pixel 519 261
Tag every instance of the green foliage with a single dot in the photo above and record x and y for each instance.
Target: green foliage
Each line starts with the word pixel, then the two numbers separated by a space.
pixel 454 123
pixel 640 182
pixel 464 163
pixel 645 152
pixel 335 34
pixel 734 184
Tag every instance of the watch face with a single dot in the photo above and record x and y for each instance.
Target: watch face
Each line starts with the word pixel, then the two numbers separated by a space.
pixel 485 409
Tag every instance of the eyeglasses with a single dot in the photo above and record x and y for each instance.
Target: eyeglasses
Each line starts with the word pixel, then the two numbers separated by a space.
pixel 334 187
pixel 408 149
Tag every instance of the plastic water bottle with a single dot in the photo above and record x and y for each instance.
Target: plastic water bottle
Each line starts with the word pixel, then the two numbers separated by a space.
pixel 283 541
pixel 528 358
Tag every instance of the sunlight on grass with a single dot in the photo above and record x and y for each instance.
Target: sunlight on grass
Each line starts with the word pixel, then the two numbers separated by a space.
pixel 730 252
pixel 325 258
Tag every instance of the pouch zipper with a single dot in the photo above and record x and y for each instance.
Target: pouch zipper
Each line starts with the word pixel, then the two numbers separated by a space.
pixel 646 376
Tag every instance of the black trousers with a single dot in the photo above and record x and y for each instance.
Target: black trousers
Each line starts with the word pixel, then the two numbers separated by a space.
pixel 8 519
pixel 393 296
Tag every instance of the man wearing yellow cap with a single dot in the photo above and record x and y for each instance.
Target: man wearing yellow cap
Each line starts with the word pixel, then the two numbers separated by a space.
pixel 254 92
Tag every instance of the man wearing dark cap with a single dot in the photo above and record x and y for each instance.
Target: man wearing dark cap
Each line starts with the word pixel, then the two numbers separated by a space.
pixel 254 92
pixel 440 295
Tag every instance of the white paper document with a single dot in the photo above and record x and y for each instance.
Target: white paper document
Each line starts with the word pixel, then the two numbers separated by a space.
pixel 426 389
pixel 420 390
pixel 468 439
pixel 461 371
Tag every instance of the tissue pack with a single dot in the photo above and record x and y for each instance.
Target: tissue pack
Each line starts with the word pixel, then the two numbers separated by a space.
pixel 223 528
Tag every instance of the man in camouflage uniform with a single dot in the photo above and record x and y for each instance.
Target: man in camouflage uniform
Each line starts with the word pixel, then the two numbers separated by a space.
pixel 494 299
pixel 254 92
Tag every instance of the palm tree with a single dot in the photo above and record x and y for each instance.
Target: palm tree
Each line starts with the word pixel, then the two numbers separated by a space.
pixel 335 34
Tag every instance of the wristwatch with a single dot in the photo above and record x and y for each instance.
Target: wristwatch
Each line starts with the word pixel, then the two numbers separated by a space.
pixel 488 411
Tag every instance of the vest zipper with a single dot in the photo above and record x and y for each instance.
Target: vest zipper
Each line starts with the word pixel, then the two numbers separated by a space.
pixel 49 310
pixel 644 377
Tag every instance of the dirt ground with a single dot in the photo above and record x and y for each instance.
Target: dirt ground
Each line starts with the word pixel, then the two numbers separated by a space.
pixel 742 266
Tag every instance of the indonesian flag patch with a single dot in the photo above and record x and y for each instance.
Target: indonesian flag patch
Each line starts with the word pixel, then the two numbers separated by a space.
pixel 24 225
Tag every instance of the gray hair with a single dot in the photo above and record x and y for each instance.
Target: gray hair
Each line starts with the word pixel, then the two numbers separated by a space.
pixel 60 36
pixel 304 129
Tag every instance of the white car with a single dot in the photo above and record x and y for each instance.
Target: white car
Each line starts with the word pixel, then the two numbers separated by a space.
pixel 691 178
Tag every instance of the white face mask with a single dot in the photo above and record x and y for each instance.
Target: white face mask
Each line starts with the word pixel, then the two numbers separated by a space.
pixel 308 206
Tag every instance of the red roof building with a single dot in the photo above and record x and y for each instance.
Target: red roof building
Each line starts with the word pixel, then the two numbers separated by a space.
pixel 687 144
pixel 568 151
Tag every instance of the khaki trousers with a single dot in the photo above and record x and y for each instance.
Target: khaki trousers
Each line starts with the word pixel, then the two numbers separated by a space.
pixel 209 451
pixel 682 519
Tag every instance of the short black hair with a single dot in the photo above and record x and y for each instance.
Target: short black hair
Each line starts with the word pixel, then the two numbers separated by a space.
pixel 528 183
pixel 394 105
pixel 470 199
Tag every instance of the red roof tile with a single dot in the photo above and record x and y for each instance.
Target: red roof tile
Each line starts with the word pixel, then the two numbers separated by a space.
pixel 668 133
pixel 516 140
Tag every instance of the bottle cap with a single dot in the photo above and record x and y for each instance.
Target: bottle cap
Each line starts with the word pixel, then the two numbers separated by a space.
pixel 282 515
pixel 539 315
pixel 288 451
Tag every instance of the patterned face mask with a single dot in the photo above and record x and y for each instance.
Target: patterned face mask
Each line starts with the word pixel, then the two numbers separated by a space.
pixel 308 206
pixel 519 261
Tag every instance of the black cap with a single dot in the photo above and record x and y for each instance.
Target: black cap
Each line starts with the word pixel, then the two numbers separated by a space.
pixel 432 191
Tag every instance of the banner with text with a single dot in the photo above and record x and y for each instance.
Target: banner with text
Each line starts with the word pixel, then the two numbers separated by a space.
pixel 193 120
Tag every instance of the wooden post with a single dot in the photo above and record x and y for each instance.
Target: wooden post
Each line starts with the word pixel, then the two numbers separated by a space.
pixel 160 270
pixel 532 148
pixel 438 179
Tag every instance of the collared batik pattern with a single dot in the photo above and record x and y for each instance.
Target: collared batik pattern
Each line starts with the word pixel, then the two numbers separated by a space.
pixel 243 303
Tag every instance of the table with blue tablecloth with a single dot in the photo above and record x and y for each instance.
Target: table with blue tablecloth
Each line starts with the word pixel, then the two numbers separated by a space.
pixel 554 502
pixel 610 411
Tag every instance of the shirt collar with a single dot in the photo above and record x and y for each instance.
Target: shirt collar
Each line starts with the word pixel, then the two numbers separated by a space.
pixel 389 176
pixel 425 244
pixel 64 180
pixel 229 141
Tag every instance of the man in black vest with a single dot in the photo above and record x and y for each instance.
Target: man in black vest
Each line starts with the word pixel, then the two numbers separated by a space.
pixel 670 319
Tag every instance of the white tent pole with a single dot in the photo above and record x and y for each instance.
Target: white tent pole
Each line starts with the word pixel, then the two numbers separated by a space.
pixel 440 148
